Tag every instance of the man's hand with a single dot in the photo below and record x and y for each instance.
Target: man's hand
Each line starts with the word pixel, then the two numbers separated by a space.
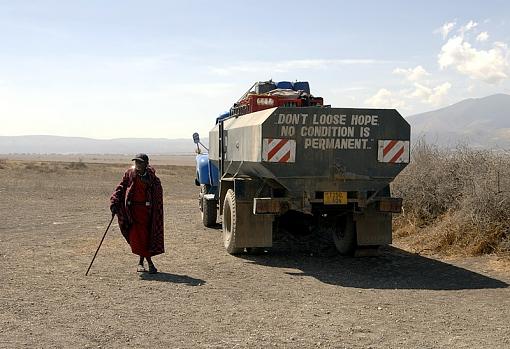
pixel 113 208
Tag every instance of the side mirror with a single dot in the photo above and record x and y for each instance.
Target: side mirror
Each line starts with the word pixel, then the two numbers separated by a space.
pixel 196 139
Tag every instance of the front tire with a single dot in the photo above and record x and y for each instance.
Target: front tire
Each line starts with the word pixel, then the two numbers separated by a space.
pixel 208 208
pixel 209 212
pixel 230 223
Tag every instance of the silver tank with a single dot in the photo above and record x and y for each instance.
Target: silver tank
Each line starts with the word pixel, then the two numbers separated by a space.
pixel 316 148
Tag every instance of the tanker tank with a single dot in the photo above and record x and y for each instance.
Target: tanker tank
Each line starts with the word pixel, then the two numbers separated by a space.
pixel 328 168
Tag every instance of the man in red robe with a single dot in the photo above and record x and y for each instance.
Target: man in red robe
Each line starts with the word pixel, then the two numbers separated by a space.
pixel 138 203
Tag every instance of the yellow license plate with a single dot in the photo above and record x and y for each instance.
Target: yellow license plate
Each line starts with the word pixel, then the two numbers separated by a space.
pixel 335 198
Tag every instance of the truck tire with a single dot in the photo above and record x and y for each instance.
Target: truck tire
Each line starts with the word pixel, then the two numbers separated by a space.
pixel 344 235
pixel 208 208
pixel 203 191
pixel 229 223
pixel 209 212
pixel 255 251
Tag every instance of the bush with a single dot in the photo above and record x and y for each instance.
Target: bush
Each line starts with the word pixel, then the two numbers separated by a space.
pixel 80 165
pixel 42 167
pixel 455 201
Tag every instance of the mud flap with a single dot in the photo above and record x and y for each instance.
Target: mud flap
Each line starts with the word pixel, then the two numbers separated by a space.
pixel 373 228
pixel 253 230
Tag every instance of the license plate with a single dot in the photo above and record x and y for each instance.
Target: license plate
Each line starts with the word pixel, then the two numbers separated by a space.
pixel 335 198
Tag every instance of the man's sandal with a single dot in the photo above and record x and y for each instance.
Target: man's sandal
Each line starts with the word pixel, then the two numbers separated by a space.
pixel 141 269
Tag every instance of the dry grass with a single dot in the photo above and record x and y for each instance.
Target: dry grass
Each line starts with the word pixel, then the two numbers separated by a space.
pixel 456 201
pixel 43 167
pixel 79 165
pixel 51 166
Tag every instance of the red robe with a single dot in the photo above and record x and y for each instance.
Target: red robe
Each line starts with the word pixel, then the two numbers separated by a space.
pixel 140 212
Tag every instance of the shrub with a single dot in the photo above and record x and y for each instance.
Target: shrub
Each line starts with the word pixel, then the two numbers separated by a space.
pixel 455 200
pixel 80 165
pixel 42 167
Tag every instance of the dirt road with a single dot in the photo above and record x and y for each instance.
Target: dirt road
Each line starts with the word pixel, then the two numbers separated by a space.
pixel 53 218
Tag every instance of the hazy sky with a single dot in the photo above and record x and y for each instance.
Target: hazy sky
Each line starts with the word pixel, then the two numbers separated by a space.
pixel 109 69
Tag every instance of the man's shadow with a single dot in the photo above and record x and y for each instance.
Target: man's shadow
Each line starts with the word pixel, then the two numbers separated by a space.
pixel 392 269
pixel 174 278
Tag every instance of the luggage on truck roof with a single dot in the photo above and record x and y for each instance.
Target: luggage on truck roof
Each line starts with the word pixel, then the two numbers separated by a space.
pixel 284 85
pixel 262 87
pixel 302 86
pixel 285 93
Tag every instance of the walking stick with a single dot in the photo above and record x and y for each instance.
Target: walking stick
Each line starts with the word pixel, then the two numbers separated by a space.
pixel 98 247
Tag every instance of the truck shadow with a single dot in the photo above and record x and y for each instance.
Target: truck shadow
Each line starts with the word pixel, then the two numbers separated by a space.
pixel 393 269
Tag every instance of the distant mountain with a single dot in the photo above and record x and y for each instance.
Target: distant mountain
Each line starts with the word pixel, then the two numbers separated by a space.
pixel 478 122
pixel 78 145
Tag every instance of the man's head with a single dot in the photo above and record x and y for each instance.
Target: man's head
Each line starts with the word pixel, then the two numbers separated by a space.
pixel 141 162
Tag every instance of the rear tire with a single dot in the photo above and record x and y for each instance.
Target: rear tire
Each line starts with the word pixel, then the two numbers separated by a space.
pixel 255 251
pixel 229 223
pixel 344 235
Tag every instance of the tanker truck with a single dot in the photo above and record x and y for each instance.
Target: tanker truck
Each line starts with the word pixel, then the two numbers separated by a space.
pixel 282 160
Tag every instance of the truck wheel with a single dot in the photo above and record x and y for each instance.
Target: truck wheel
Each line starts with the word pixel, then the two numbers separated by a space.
pixel 255 251
pixel 229 223
pixel 203 191
pixel 209 212
pixel 208 208
pixel 344 235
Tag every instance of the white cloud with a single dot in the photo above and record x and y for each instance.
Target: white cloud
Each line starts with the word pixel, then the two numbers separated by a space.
pixel 446 29
pixel 491 66
pixel 412 74
pixel 483 36
pixel 459 52
pixel 470 25
pixel 290 65
pixel 385 99
pixel 407 99
pixel 431 95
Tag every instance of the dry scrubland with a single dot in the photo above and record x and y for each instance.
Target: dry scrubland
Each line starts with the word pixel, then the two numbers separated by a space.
pixel 456 201
pixel 54 214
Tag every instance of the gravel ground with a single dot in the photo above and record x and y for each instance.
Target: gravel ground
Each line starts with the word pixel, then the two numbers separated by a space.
pixel 53 219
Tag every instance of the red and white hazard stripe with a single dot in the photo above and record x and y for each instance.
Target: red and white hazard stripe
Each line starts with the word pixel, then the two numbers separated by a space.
pixel 393 151
pixel 279 150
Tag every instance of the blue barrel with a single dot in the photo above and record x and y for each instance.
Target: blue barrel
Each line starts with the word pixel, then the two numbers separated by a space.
pixel 302 85
pixel 284 85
